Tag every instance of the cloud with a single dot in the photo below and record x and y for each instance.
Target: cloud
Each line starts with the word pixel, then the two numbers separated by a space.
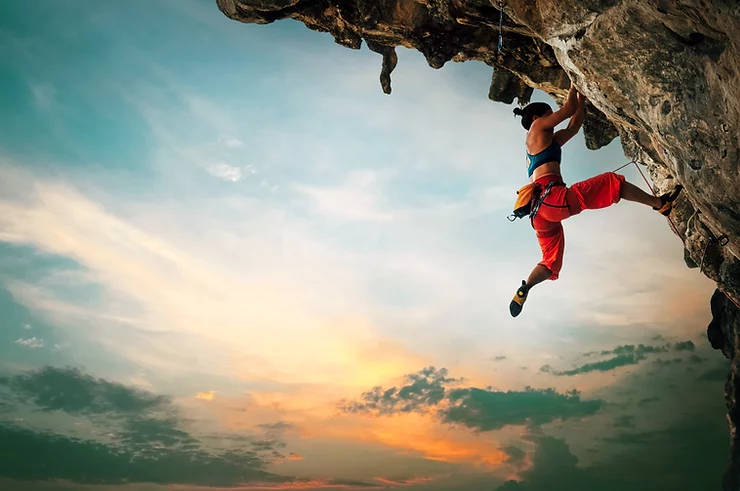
pixel 147 439
pixel 358 198
pixel 33 343
pixel 664 441
pixel 684 346
pixel 674 361
pixel 684 457
pixel 499 358
pixel 424 389
pixel 638 350
pixel 278 428
pixel 74 392
pixel 206 396
pixel 213 280
pixel 600 366
pixel 230 141
pixel 647 400
pixel 266 444
pixel 515 454
pixel 487 410
pixel 716 374
pixel 43 94
pixel 228 172
pixel 697 359
pixel 36 455
pixel 625 421
pixel 297 484
pixel 628 354
pixel 431 390
pixel 411 481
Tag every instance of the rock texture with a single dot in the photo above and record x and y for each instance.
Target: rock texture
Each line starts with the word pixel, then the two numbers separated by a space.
pixel 663 75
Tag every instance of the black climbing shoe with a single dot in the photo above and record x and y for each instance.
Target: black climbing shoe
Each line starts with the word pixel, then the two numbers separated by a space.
pixel 515 307
pixel 666 201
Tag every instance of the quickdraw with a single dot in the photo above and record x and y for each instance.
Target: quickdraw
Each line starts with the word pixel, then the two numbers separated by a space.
pixel 500 32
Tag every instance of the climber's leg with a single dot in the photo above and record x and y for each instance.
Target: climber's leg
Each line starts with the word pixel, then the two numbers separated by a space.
pixel 552 244
pixel 597 192
pixel 630 192
pixel 608 188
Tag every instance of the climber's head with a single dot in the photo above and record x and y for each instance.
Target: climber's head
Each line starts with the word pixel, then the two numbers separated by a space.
pixel 532 111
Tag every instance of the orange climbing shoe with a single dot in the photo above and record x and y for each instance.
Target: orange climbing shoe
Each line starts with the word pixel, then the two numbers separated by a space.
pixel 515 307
pixel 666 201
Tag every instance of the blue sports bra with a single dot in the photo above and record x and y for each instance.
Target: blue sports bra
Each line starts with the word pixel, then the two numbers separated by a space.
pixel 552 153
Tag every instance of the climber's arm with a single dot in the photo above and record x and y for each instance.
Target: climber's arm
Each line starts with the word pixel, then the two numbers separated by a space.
pixel 574 125
pixel 568 109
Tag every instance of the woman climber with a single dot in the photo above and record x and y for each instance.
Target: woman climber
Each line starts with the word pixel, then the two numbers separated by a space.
pixel 553 201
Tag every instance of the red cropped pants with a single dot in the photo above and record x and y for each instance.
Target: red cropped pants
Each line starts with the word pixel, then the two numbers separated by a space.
pixel 563 202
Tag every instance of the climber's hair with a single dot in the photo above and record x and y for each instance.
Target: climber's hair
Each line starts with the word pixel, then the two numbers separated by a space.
pixel 530 111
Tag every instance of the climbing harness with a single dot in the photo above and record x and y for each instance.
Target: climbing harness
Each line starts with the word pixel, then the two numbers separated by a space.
pixel 529 200
pixel 541 200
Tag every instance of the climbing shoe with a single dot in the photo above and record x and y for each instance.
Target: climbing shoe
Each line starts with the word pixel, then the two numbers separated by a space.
pixel 515 307
pixel 666 201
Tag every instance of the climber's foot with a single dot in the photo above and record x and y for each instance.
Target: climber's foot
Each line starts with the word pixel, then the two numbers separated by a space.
pixel 515 307
pixel 666 201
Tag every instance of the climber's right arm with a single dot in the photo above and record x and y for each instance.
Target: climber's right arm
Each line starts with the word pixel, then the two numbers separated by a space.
pixel 566 111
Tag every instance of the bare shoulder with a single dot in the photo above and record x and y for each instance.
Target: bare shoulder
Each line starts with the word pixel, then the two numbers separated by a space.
pixel 538 138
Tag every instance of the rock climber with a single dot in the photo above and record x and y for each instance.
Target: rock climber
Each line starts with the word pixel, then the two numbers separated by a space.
pixel 558 201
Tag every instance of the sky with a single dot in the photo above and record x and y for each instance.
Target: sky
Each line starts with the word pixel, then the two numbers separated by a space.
pixel 229 261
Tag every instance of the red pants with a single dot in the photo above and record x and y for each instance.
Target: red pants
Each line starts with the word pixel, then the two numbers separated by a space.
pixel 563 202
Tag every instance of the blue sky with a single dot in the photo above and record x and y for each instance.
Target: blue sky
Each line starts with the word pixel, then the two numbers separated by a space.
pixel 235 216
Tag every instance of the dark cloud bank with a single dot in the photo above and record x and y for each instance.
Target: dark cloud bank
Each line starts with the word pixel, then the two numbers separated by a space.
pixel 626 355
pixel 149 439
pixel 690 454
pixel 474 408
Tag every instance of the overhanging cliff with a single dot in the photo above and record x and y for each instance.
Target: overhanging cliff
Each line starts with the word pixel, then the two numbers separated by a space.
pixel 662 75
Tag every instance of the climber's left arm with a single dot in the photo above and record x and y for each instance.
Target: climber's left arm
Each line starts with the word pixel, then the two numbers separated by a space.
pixel 574 125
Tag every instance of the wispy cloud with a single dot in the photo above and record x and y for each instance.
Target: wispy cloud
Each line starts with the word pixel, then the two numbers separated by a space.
pixel 206 396
pixel 312 484
pixel 412 481
pixel 358 198
pixel 151 279
pixel 230 141
pixel 43 95
pixel 33 343
pixel 226 172
pixel 625 355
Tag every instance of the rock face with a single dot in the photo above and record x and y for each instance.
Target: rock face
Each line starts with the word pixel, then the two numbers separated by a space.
pixel 663 75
